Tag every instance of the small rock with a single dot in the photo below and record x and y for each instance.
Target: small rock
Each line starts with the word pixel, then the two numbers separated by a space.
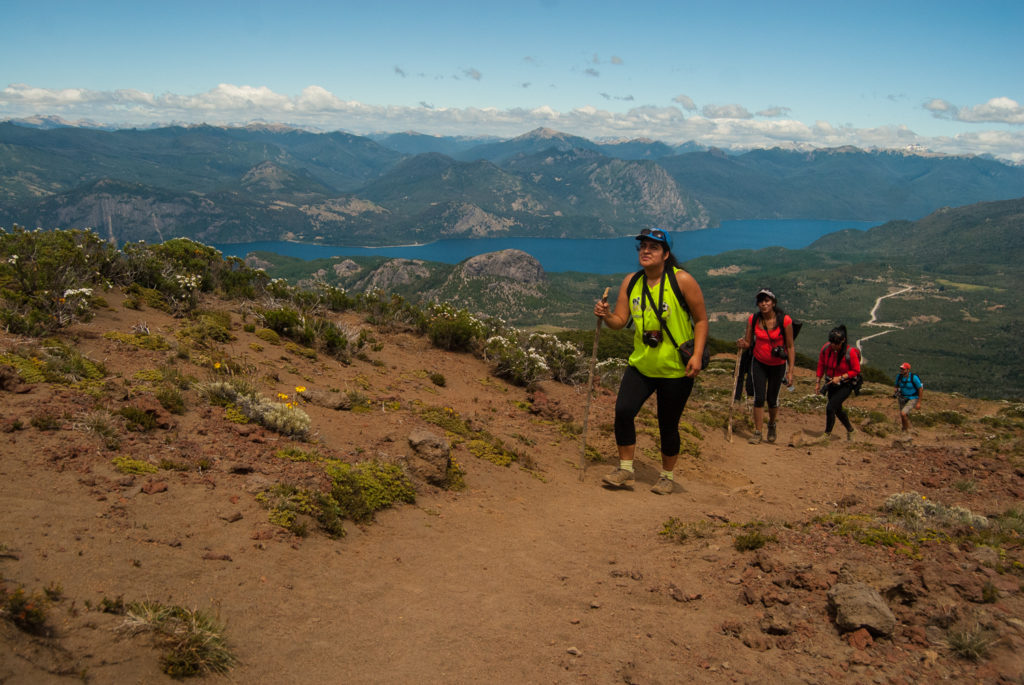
pixel 860 639
pixel 214 556
pixel 153 487
pixel 231 518
pixel 574 651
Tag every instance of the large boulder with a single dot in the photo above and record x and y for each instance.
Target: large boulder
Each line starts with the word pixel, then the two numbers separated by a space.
pixel 857 605
pixel 429 457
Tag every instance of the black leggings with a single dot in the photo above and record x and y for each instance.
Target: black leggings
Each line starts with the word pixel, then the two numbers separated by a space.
pixel 767 382
pixel 634 391
pixel 837 394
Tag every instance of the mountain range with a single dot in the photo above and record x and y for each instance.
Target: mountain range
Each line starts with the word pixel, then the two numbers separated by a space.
pixel 267 182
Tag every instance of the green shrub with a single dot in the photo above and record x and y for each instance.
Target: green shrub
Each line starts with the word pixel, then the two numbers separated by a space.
pixel 268 335
pixel 138 420
pixel 283 321
pixel 47 278
pixel 125 464
pixel 947 416
pixel 455 330
pixel 367 487
pixel 513 363
pixel 27 612
pixel 45 422
pixel 288 505
pixel 679 531
pixel 969 642
pixel 171 399
pixel 193 641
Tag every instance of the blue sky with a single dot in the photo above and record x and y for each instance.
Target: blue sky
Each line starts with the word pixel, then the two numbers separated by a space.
pixel 945 76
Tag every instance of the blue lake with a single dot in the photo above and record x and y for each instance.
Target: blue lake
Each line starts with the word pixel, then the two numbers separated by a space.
pixel 601 256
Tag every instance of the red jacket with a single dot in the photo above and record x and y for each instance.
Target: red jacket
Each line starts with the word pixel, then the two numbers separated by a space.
pixel 832 364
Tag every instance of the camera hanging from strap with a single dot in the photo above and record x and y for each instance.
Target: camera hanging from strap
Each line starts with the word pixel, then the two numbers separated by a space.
pixel 687 348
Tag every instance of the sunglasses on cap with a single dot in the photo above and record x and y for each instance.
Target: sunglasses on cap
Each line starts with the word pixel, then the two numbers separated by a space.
pixel 655 233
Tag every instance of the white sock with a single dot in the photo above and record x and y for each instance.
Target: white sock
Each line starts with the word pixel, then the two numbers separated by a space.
pixel 626 465
pixel 667 474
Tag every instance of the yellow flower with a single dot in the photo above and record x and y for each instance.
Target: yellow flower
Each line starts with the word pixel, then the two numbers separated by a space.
pixel 216 365
pixel 282 396
pixel 300 388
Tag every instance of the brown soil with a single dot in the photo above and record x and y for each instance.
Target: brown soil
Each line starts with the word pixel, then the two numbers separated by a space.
pixel 529 575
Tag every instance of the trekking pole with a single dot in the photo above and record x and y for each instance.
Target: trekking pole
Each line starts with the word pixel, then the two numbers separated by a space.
pixel 590 388
pixel 732 401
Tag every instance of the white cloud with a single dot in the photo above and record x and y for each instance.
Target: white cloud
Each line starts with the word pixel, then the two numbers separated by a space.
pixel 726 112
pixel 729 126
pixel 1001 110
pixel 685 102
pixel 472 73
pixel 774 112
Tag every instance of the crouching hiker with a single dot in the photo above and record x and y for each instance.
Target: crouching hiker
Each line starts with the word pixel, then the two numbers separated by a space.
pixel 908 393
pixel 666 307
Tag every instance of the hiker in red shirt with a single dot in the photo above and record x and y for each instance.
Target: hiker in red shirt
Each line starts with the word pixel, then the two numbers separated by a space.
pixel 839 368
pixel 770 333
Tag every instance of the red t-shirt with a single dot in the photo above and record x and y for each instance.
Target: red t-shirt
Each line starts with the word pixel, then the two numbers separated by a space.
pixel 765 340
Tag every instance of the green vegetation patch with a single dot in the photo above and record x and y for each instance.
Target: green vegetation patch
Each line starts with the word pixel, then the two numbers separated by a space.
pixel 680 531
pixel 53 361
pixel 291 507
pixel 365 488
pixel 144 341
pixel 480 443
pixel 126 464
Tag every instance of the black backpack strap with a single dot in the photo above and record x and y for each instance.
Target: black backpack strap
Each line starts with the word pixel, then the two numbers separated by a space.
pixel 633 280
pixel 679 293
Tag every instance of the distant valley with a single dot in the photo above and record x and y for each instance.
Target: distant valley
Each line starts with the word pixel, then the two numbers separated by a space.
pixel 957 315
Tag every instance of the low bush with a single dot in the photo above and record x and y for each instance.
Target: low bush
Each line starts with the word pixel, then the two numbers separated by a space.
pixel 365 488
pixel 455 330
pixel 193 641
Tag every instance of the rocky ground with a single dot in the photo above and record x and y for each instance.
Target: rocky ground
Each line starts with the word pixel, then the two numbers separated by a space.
pixel 531 573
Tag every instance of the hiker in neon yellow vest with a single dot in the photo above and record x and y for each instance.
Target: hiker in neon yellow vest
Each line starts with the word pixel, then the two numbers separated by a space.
pixel 666 307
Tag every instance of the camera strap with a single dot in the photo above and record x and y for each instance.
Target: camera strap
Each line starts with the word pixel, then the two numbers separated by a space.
pixel 657 309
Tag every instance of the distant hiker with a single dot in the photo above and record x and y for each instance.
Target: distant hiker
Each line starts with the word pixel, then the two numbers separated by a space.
pixel 770 334
pixel 839 366
pixel 666 307
pixel 908 392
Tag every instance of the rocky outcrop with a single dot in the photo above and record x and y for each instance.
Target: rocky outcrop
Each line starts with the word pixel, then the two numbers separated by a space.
pixel 514 265
pixel 396 272
pixel 428 457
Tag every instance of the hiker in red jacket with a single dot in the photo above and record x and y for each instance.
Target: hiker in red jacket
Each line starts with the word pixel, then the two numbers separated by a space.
pixel 839 368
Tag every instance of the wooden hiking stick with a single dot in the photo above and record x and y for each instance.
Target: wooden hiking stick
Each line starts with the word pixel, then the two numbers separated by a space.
pixel 732 401
pixel 590 391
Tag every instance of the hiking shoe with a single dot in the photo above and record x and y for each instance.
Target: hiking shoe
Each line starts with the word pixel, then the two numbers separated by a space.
pixel 849 436
pixel 620 478
pixel 756 440
pixel 771 432
pixel 664 486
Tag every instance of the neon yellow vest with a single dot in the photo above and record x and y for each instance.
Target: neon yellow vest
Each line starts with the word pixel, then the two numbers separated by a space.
pixel 662 361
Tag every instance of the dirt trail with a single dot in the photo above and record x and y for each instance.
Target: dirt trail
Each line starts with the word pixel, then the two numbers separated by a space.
pixel 527 576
